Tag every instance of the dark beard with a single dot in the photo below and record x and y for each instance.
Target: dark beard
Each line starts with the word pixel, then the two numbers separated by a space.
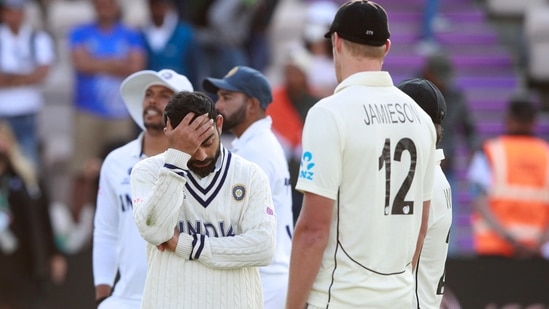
pixel 206 170
pixel 235 119
pixel 154 127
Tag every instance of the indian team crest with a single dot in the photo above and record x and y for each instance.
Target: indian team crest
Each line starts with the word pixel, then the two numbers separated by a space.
pixel 239 192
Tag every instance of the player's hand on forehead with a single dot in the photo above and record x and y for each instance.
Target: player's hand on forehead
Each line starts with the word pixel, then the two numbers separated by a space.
pixel 189 134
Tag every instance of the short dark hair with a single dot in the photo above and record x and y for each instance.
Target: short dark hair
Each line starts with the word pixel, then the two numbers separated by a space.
pixel 186 102
pixel 523 111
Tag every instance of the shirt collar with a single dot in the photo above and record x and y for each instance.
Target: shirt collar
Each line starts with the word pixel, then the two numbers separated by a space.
pixel 137 147
pixel 260 125
pixel 370 78
pixel 439 155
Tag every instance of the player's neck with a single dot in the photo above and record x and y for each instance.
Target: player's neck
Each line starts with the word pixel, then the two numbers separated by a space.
pixel 154 144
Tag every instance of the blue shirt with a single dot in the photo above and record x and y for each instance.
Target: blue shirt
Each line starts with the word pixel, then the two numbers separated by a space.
pixel 99 93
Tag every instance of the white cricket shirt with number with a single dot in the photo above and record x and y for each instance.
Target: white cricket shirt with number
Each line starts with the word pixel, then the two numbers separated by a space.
pixel 371 149
pixel 117 244
pixel 259 145
pixel 430 278
pixel 227 229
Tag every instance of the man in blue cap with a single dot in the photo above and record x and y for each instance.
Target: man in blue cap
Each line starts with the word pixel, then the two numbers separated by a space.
pixel 243 96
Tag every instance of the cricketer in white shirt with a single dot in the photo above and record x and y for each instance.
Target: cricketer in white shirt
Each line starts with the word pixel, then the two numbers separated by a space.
pixel 371 149
pixel 227 230
pixel 117 244
pixel 430 277
pixel 259 145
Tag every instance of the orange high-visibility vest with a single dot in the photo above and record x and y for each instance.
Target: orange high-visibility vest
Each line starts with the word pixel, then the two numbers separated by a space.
pixel 519 194
pixel 287 122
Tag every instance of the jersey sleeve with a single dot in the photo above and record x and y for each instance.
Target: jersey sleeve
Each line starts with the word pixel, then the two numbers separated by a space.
pixel 255 246
pixel 156 187
pixel 105 231
pixel 320 170
pixel 45 49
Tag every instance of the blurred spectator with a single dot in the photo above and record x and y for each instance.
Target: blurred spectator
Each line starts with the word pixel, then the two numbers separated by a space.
pixel 103 52
pixel 26 55
pixel 170 44
pixel 428 44
pixel 440 71
pixel 458 123
pixel 257 44
pixel 29 258
pixel 222 28
pixel 510 186
pixel 291 101
pixel 321 75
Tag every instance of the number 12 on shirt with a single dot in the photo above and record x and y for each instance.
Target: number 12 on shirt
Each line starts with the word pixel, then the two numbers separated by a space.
pixel 399 205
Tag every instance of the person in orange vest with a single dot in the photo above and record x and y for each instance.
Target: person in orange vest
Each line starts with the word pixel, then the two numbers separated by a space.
pixel 510 181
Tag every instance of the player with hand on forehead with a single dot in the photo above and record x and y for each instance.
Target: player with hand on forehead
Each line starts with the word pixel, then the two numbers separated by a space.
pixel 207 215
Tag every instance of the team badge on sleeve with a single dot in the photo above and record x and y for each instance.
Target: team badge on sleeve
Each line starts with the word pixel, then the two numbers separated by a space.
pixel 307 164
pixel 239 192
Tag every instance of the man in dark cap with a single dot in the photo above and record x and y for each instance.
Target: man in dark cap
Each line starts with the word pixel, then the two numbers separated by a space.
pixel 430 270
pixel 243 96
pixel 367 174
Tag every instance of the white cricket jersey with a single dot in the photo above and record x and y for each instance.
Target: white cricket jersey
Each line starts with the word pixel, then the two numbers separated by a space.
pixel 371 149
pixel 430 278
pixel 259 145
pixel 117 244
pixel 227 230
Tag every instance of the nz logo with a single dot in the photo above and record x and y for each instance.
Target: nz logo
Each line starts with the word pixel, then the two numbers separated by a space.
pixel 306 166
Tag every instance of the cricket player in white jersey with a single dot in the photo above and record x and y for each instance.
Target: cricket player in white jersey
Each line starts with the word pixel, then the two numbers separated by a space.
pixel 430 271
pixel 367 175
pixel 117 245
pixel 206 213
pixel 243 96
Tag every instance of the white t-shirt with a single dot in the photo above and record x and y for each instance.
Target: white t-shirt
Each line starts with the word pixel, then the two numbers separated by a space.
pixel 16 57
pixel 259 145
pixel 371 149
pixel 430 278
pixel 117 244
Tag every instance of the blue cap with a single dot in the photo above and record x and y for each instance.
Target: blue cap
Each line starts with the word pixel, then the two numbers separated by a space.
pixel 242 79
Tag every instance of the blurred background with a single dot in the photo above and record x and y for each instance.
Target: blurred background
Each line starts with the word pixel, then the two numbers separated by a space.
pixel 483 52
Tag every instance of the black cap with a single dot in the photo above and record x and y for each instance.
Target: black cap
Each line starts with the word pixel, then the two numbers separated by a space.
pixel 363 22
pixel 427 95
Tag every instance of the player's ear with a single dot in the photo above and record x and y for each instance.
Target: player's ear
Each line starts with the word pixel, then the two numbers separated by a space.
pixel 219 123
pixel 168 125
